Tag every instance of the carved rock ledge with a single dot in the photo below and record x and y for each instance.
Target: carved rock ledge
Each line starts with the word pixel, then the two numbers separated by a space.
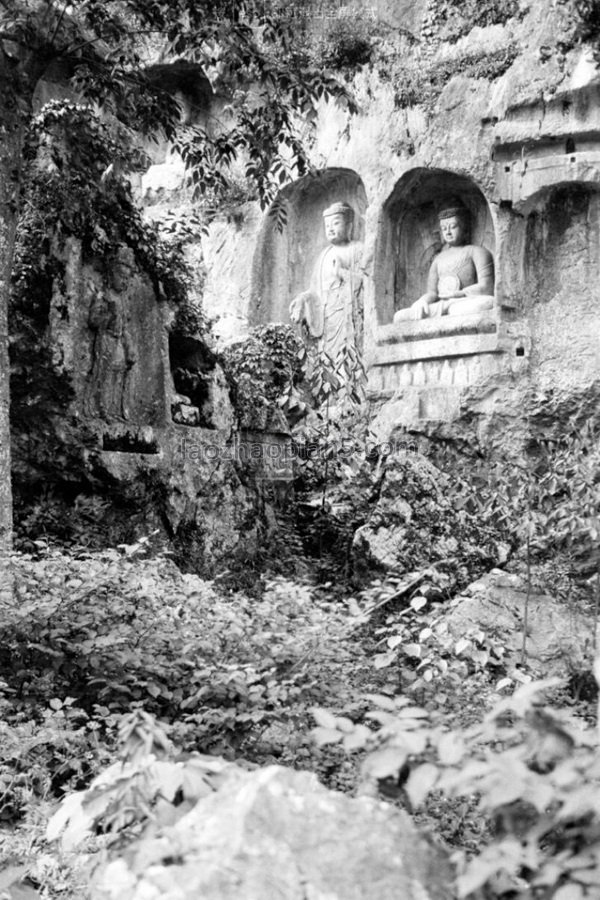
pixel 448 336
pixel 478 323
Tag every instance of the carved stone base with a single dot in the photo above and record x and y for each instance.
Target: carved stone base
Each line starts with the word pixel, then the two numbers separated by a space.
pixel 440 326
pixel 440 338
pixel 452 373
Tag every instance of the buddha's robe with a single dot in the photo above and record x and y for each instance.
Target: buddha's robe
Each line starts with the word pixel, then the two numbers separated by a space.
pixel 332 307
pixel 469 269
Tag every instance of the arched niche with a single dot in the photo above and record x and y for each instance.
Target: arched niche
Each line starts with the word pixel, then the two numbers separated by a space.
pixel 553 256
pixel 286 251
pixel 551 266
pixel 188 84
pixel 408 235
pixel 560 248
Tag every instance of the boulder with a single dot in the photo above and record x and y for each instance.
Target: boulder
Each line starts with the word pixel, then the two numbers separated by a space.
pixel 558 634
pixel 277 834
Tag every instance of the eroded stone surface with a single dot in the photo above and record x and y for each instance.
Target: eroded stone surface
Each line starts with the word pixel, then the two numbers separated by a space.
pixel 558 633
pixel 276 834
pixel 157 460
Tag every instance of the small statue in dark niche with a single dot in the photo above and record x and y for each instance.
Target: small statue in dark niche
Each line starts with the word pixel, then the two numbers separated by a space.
pixel 461 276
pixel 113 354
pixel 331 310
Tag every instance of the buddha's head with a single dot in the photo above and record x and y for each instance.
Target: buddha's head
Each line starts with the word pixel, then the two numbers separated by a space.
pixel 454 224
pixel 338 223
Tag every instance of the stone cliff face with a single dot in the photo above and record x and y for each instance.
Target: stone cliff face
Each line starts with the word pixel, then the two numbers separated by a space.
pixel 505 116
pixel 105 447
pixel 121 416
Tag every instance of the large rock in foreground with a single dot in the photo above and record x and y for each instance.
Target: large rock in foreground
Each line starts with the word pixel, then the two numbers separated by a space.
pixel 277 834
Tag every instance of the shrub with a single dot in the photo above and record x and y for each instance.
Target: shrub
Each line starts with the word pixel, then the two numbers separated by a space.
pixel 263 370
pixel 535 774
pixel 111 631
pixel 459 17
pixel 418 84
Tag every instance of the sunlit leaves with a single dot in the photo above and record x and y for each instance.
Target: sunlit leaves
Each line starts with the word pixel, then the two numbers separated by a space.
pixel 421 782
pixel 546 795
pixel 241 48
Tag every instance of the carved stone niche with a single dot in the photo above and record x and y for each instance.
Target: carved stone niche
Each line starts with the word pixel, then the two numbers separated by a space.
pixel 194 371
pixel 442 355
pixel 409 234
pixel 189 86
pixel 290 242
pixel 552 272
pixel 118 345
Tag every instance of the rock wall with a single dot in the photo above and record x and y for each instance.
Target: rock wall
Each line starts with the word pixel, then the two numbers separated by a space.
pixel 507 118
pixel 105 448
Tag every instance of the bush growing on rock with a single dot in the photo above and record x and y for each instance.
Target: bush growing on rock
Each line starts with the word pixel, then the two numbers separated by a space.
pixel 263 372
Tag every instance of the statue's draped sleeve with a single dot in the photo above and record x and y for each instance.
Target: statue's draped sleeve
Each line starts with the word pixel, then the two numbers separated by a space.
pixel 313 313
pixel 433 279
pixel 359 271
pixel 484 267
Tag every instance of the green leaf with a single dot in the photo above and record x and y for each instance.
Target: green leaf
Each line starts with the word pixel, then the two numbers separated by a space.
pixel 385 763
pixel 382 701
pixel 323 717
pixel 418 603
pixel 323 736
pixel 358 739
pixel 382 660
pixel 505 856
pixel 569 892
pixel 71 821
pixel 420 782
pixel 344 724
pixel 450 749
pixel 413 712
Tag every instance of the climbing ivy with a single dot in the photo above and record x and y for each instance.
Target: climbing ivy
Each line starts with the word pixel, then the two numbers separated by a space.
pixel 263 371
pixel 418 84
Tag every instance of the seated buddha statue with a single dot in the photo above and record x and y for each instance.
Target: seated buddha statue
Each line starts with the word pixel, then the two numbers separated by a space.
pixel 461 276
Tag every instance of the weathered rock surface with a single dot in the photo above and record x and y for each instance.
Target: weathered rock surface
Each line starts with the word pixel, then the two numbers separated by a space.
pixel 506 119
pixel 557 633
pixel 127 423
pixel 276 834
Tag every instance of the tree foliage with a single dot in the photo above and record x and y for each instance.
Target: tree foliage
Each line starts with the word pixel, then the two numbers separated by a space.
pixel 532 769
pixel 110 53
pixel 114 55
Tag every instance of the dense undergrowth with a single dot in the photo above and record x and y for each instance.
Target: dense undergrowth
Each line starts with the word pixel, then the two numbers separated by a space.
pixel 88 639
pixel 115 664
pixel 118 656
pixel 114 661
